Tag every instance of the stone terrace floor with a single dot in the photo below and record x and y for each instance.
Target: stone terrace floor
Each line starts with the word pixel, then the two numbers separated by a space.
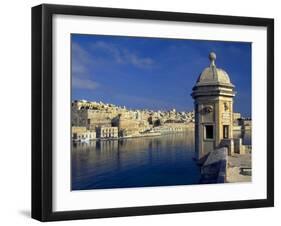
pixel 239 168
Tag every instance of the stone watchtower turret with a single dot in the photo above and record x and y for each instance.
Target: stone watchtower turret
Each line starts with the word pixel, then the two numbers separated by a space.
pixel 213 103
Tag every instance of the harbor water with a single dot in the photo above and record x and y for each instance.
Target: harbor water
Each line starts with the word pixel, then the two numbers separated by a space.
pixel 135 162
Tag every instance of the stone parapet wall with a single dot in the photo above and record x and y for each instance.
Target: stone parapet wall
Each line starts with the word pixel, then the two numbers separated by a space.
pixel 214 166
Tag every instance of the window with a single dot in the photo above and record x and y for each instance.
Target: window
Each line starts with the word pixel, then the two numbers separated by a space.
pixel 225 132
pixel 209 132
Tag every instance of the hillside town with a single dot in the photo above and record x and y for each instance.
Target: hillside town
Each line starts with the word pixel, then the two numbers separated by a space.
pixel 98 120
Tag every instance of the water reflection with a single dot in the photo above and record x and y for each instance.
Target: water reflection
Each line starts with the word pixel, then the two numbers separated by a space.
pixel 137 162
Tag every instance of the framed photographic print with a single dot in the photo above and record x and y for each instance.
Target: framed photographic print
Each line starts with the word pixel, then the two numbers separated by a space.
pixel 145 112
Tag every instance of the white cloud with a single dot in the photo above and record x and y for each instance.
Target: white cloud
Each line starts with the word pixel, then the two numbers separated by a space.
pixel 123 56
pixel 81 74
pixel 78 83
pixel 149 102
pixel 85 62
pixel 80 61
pixel 80 53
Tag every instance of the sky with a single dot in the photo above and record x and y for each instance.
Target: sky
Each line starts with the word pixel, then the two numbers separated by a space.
pixel 154 73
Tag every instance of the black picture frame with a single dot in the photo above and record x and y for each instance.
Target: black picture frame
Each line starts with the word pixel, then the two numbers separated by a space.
pixel 42 111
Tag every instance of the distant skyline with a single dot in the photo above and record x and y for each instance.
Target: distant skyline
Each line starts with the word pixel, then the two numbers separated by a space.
pixel 154 73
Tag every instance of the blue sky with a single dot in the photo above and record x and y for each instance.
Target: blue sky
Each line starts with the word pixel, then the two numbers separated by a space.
pixel 154 73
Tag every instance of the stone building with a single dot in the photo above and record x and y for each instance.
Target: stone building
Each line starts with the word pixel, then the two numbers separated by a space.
pixel 82 134
pixel 236 118
pixel 107 132
pixel 245 123
pixel 213 103
pixel 127 125
pixel 130 122
pixel 78 129
pixel 90 115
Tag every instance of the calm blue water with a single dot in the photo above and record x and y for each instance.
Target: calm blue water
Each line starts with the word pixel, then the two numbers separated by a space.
pixel 136 162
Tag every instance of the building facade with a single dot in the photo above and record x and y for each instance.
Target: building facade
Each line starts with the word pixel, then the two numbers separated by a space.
pixel 129 125
pixel 107 132
pixel 213 103
pixel 82 134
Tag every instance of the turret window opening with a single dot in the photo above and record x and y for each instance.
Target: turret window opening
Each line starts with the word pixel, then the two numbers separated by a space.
pixel 209 132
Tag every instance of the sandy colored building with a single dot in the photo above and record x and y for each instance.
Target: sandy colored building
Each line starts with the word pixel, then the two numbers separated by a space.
pixel 129 125
pixel 80 133
pixel 213 103
pixel 107 132
pixel 91 118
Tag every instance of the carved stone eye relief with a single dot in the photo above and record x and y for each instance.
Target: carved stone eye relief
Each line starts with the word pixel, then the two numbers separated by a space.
pixel 208 109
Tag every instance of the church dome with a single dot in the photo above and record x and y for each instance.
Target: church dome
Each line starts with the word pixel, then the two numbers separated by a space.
pixel 213 75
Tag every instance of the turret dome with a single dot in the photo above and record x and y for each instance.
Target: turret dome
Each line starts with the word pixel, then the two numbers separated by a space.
pixel 213 75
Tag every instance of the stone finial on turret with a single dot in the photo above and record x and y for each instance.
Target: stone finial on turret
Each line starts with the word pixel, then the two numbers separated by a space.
pixel 212 57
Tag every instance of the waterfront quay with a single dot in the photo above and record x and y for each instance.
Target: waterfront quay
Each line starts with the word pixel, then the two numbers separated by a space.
pixel 100 121
pixel 97 120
